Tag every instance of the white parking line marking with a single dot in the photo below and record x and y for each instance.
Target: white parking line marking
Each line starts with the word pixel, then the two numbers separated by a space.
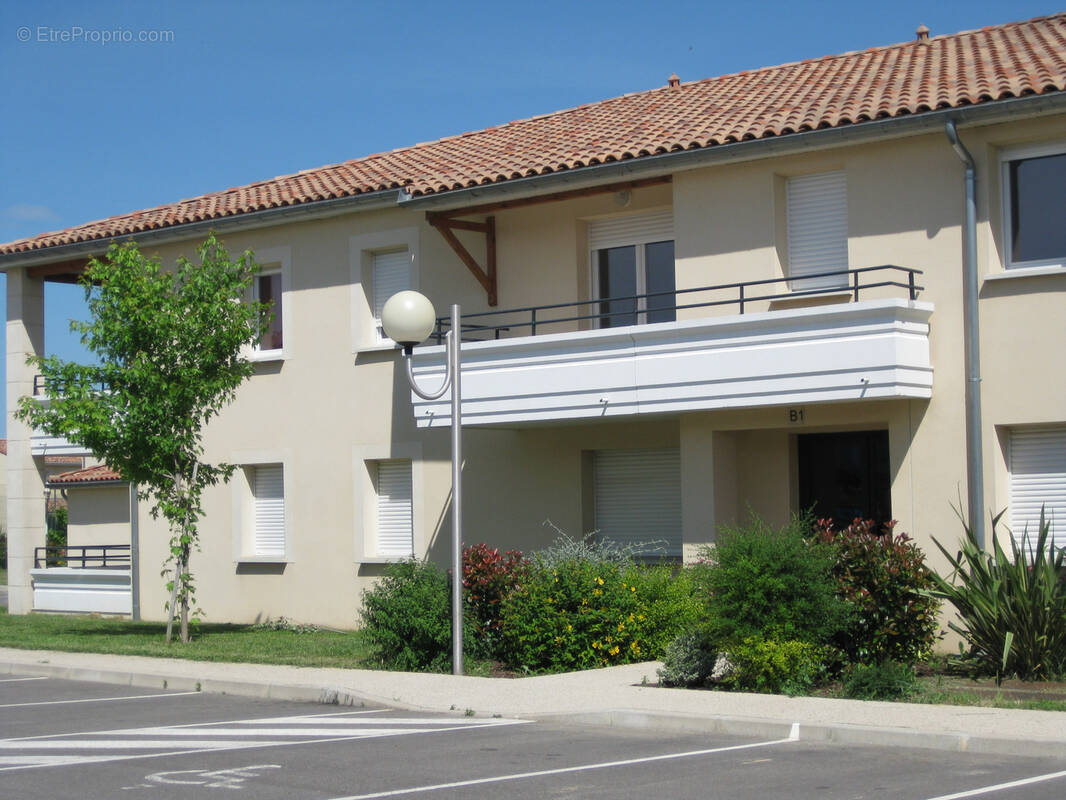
pixel 253 731
pixel 16 680
pixel 98 699
pixel 563 770
pixel 175 740
pixel 134 744
pixel 1001 786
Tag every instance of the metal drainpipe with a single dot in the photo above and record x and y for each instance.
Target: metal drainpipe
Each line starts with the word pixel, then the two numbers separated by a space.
pixel 975 493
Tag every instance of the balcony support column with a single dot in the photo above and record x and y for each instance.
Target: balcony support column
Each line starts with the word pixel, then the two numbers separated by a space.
pixel 25 482
pixel 708 482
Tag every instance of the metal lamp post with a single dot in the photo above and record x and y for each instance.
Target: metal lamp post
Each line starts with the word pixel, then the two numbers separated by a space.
pixel 408 319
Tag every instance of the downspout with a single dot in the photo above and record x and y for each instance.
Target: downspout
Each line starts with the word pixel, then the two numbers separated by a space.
pixel 975 494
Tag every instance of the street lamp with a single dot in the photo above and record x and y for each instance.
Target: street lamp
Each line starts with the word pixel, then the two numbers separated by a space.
pixel 408 319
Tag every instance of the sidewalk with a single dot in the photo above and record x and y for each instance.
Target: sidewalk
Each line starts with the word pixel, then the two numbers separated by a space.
pixel 612 696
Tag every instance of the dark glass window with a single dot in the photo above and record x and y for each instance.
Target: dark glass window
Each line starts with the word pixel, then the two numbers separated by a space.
pixel 845 475
pixel 1037 209
pixel 659 274
pixel 268 289
pixel 630 270
pixel 618 278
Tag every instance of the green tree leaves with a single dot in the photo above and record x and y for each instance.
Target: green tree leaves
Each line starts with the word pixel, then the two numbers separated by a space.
pixel 168 344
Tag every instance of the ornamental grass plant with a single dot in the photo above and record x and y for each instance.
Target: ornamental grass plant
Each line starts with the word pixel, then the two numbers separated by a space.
pixel 1012 608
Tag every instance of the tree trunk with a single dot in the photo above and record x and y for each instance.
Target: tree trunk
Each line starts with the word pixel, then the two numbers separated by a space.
pixel 173 600
pixel 185 597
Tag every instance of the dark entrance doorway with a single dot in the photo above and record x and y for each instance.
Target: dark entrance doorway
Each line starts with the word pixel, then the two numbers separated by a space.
pixel 845 475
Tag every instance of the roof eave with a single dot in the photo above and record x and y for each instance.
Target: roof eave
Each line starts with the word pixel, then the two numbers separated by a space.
pixel 172 233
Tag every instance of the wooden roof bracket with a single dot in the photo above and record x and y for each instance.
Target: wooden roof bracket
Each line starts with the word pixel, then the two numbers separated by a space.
pixel 447 227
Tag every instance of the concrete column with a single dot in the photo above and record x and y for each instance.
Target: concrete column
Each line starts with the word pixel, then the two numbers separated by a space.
pixel 708 481
pixel 25 483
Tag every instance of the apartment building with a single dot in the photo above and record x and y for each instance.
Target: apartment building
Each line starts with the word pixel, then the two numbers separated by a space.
pixel 744 293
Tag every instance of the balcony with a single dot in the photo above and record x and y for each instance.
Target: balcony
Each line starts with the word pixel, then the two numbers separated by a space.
pixel 42 444
pixel 516 371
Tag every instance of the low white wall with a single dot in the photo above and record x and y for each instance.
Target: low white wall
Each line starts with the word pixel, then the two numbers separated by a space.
pixel 103 591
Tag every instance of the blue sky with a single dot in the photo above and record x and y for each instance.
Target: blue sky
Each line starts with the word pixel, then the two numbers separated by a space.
pixel 229 92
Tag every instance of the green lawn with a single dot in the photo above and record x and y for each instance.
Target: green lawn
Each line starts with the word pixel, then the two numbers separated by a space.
pixel 211 642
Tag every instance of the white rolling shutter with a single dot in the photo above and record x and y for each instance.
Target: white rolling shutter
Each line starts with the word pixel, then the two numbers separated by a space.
pixel 395 516
pixel 391 274
pixel 638 498
pixel 657 226
pixel 1038 478
pixel 817 229
pixel 269 490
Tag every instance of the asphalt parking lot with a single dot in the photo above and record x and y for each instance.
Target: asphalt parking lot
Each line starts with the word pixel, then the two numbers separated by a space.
pixel 64 739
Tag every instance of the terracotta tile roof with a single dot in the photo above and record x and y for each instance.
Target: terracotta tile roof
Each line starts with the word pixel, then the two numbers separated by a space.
pixel 980 66
pixel 64 460
pixel 98 474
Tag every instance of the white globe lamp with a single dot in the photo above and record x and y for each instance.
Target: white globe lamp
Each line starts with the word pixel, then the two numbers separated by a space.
pixel 408 319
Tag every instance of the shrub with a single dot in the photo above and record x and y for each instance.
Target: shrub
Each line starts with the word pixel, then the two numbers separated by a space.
pixel 592 608
pixel 689 660
pixel 1012 609
pixel 887 680
pixel 775 666
pixel 407 618
pixel 3 548
pixel 770 584
pixel 488 577
pixel 883 578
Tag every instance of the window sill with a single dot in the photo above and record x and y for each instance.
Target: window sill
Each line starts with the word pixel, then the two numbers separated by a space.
pixel 1026 272
pixel 263 559
pixel 377 348
pixel 385 559
pixel 264 356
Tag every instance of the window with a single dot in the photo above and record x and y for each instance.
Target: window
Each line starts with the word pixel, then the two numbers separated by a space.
pixel 273 285
pixel 268 493
pixel 390 274
pixel 817 222
pixel 395 512
pixel 1037 463
pixel 1034 206
pixel 381 264
pixel 638 498
pixel 268 291
pixel 633 260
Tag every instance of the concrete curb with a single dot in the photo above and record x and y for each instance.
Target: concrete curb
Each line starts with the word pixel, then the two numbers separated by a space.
pixel 638 719
pixel 333 696
pixel 843 733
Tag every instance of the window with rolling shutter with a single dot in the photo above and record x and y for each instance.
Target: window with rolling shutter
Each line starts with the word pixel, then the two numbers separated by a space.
pixel 638 498
pixel 391 274
pixel 268 490
pixel 817 216
pixel 1038 480
pixel 632 256
pixel 395 517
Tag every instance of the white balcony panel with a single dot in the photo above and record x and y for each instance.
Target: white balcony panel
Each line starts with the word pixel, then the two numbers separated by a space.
pixel 44 445
pixel 85 591
pixel 868 350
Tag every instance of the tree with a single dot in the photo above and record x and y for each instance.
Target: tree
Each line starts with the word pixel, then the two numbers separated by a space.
pixel 168 344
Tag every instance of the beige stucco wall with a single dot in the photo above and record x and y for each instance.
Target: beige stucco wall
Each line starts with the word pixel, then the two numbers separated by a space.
pixel 333 402
pixel 98 515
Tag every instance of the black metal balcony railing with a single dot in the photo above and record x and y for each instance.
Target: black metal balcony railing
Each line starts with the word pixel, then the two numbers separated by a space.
pixel 99 556
pixel 663 306
pixel 42 386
